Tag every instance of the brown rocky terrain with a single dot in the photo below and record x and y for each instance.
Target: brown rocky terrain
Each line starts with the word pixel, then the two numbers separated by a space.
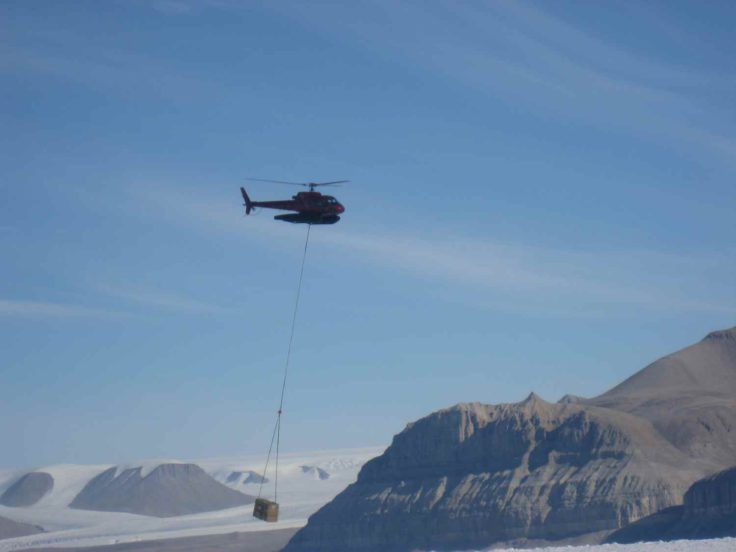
pixel 474 475
pixel 690 397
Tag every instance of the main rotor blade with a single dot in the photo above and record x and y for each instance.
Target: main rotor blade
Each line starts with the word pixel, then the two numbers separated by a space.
pixel 305 184
pixel 328 183
pixel 278 182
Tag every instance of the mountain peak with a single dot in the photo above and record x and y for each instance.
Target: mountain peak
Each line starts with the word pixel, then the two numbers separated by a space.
pixel 534 404
pixel 572 399
pixel 533 398
pixel 729 334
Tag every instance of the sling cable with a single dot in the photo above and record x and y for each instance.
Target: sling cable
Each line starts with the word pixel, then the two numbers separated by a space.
pixel 264 509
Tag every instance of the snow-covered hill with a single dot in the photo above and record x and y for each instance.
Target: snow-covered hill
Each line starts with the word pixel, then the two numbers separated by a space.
pixel 301 493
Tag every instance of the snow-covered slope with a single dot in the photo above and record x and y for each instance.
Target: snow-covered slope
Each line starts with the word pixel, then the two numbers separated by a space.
pixel 300 495
pixel 11 529
pixel 715 545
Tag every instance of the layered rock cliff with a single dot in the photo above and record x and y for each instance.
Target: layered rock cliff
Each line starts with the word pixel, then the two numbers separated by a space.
pixel 473 475
pixel 709 511
pixel 713 496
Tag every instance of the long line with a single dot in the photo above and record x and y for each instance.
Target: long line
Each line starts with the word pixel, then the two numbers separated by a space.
pixel 277 428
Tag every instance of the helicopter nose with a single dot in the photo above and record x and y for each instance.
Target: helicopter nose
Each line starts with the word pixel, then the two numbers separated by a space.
pixel 340 208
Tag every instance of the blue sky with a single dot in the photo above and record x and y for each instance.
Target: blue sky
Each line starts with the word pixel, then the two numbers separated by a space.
pixel 542 198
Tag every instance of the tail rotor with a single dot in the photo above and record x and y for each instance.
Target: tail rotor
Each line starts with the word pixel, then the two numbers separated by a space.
pixel 248 203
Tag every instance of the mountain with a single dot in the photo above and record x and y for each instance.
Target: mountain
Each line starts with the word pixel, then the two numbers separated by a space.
pixel 689 396
pixel 571 399
pixel 168 490
pixel 709 511
pixel 10 529
pixel 315 472
pixel 248 477
pixel 474 475
pixel 300 495
pixel 28 490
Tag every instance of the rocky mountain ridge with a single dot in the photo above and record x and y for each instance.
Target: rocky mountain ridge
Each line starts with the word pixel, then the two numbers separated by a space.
pixel 474 475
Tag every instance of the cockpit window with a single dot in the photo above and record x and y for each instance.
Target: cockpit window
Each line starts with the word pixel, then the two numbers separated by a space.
pixel 330 201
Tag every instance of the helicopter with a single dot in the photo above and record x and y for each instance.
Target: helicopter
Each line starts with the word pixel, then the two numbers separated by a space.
pixel 311 206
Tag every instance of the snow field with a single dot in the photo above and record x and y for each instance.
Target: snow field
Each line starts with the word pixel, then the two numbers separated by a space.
pixel 300 495
pixel 712 545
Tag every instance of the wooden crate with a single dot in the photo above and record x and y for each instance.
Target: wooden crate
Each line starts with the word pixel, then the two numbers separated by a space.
pixel 266 510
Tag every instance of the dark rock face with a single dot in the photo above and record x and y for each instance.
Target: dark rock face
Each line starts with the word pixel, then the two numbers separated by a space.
pixel 709 512
pixel 28 490
pixel 663 525
pixel 473 475
pixel 10 529
pixel 169 490
pixel 713 496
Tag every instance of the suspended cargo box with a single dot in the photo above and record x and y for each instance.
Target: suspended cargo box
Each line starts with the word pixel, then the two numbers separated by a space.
pixel 266 510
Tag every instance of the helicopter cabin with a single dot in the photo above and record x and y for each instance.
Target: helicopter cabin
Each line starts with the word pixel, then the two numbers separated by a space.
pixel 266 510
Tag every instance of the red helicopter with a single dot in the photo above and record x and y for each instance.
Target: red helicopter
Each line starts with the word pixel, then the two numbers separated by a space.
pixel 311 207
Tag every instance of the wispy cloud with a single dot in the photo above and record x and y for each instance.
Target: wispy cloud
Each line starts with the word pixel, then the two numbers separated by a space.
pixel 42 309
pixel 117 71
pixel 546 276
pixel 153 299
pixel 510 50
pixel 514 51
pixel 146 297
pixel 166 300
pixel 517 273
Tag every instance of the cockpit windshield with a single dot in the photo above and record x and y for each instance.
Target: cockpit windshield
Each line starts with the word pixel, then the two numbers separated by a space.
pixel 330 200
